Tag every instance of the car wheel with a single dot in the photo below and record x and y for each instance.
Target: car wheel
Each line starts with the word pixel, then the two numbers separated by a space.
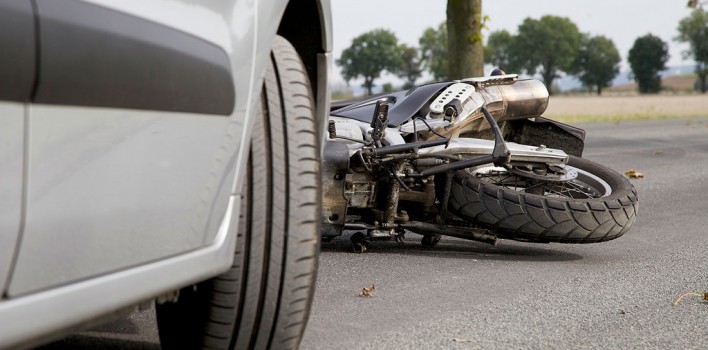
pixel 263 301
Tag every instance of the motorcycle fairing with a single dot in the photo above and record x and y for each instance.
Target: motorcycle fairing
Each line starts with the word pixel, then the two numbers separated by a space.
pixel 402 105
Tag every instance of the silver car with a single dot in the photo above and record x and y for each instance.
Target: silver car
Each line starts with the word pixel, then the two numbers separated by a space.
pixel 161 149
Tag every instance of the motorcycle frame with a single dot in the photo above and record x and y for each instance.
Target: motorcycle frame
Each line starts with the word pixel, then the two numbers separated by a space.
pixel 501 153
pixel 385 164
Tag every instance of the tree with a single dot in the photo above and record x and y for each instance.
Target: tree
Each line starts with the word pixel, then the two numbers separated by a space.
pixel 550 43
pixel 410 69
pixel 498 50
pixel 433 51
pixel 647 58
pixel 387 87
pixel 598 62
pixel 695 3
pixel 694 30
pixel 370 54
pixel 464 40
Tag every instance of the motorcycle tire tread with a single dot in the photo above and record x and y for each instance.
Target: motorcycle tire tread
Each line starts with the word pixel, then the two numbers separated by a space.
pixel 533 218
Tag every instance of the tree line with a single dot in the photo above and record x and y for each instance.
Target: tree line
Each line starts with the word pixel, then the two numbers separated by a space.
pixel 549 46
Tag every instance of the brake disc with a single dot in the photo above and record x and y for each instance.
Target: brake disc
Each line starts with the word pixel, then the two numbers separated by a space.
pixel 554 173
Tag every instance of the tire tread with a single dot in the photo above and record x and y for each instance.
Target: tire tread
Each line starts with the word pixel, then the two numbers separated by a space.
pixel 263 301
pixel 561 220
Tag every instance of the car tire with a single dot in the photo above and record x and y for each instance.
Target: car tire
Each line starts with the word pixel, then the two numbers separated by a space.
pixel 263 301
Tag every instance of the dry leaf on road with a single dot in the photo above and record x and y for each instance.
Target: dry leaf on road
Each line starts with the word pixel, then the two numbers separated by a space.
pixel 633 174
pixel 368 292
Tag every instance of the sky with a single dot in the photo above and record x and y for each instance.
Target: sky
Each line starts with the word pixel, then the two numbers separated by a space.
pixel 620 20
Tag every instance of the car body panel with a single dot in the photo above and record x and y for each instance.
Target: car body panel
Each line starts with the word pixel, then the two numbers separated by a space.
pixel 326 23
pixel 17 58
pixel 324 98
pixel 17 74
pixel 115 188
pixel 90 55
pixel 109 185
pixel 121 187
pixel 324 65
pixel 12 119
pixel 32 319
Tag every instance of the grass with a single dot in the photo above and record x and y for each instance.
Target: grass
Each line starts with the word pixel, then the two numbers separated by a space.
pixel 618 118
pixel 592 109
pixel 615 108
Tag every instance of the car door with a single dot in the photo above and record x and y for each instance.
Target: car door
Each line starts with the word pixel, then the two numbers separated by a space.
pixel 17 66
pixel 134 132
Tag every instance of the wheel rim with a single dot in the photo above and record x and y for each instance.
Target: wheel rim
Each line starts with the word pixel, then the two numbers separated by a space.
pixel 584 186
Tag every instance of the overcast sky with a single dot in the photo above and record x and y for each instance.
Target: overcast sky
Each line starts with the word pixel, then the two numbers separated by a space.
pixel 620 20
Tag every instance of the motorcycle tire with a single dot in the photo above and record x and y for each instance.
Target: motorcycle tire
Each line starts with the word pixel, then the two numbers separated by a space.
pixel 263 301
pixel 515 213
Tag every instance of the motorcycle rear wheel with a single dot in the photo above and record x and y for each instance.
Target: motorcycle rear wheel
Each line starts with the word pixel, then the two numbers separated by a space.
pixel 600 205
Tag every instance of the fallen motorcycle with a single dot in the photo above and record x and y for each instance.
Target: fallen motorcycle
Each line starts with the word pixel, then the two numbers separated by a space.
pixel 472 159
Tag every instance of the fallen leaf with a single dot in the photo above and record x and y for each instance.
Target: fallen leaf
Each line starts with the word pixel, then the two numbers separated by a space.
pixel 633 174
pixel 368 291
pixel 461 340
pixel 657 153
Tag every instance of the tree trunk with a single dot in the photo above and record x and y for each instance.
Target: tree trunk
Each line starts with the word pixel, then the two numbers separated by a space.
pixel 599 89
pixel 368 85
pixel 464 39
pixel 704 83
pixel 548 80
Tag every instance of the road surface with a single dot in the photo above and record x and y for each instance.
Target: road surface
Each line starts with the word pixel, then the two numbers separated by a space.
pixel 467 295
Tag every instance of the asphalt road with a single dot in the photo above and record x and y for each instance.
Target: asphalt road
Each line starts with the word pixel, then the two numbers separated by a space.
pixel 467 295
